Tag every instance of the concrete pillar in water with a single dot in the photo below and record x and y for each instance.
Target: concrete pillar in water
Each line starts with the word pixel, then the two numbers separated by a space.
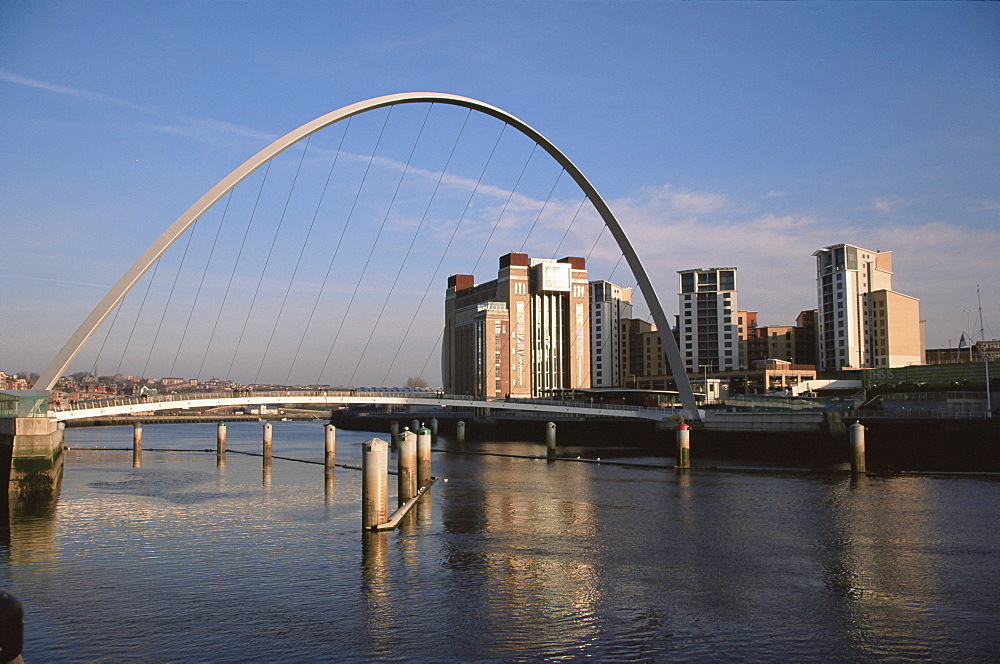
pixel 374 482
pixel 267 442
pixel 550 440
pixel 683 446
pixel 434 428
pixel 61 427
pixel 460 431
pixel 414 425
pixel 330 444
pixel 423 456
pixel 394 433
pixel 856 433
pixel 220 439
pixel 407 467
pixel 137 445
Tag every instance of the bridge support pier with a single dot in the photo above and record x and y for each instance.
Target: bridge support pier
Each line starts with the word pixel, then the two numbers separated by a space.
pixel 31 456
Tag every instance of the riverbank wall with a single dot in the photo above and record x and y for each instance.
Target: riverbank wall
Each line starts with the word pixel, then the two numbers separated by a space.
pixel 892 445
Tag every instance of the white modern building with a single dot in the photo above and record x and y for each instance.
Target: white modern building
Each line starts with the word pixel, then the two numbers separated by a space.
pixel 708 332
pixel 861 321
pixel 609 306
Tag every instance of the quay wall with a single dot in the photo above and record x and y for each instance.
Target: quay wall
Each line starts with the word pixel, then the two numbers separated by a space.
pixel 31 456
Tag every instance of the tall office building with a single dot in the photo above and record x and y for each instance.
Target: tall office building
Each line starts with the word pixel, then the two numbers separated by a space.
pixel 609 306
pixel 861 321
pixel 523 334
pixel 708 329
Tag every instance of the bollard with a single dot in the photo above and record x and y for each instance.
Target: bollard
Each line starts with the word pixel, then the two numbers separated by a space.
pixel 11 628
pixel 683 446
pixel 394 434
pixel 330 443
pixel 374 482
pixel 856 433
pixel 434 428
pixel 62 433
pixel 460 431
pixel 407 464
pixel 267 442
pixel 550 440
pixel 423 456
pixel 414 425
pixel 137 445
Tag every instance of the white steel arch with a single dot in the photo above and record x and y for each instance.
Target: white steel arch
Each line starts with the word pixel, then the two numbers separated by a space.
pixel 175 230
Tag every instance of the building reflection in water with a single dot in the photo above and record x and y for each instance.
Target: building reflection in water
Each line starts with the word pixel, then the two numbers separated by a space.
pixel 878 567
pixel 528 556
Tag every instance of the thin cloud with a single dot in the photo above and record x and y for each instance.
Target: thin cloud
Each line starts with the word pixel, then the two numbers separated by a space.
pixel 205 131
pixel 51 281
pixel 88 95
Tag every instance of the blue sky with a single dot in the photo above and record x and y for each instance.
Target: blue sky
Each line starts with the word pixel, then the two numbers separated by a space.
pixel 738 134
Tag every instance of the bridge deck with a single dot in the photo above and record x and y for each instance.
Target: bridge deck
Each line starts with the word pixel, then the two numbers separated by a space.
pixel 152 403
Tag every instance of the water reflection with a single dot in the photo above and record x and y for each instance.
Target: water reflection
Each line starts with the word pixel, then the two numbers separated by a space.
pixel 28 529
pixel 874 572
pixel 511 559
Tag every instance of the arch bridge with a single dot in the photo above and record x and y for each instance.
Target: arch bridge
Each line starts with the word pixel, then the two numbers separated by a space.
pixel 114 296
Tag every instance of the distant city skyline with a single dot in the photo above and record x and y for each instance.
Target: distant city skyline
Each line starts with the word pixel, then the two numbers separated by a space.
pixel 748 135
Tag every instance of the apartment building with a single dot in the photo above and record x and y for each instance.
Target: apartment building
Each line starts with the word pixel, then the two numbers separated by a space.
pixel 707 324
pixel 849 323
pixel 609 306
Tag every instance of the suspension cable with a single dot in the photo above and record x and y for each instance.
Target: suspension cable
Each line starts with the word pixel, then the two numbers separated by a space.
pixel 201 283
pixel 378 236
pixel 349 216
pixel 305 329
pixel 267 260
pixel 409 249
pixel 114 319
pixel 447 247
pixel 170 296
pixel 138 314
pixel 504 208
pixel 232 275
pixel 291 280
pixel 571 222
pixel 541 209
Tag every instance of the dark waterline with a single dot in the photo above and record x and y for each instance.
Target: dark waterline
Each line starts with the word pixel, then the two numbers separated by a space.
pixel 510 559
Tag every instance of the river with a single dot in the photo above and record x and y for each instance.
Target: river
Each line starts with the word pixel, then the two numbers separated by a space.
pixel 507 559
